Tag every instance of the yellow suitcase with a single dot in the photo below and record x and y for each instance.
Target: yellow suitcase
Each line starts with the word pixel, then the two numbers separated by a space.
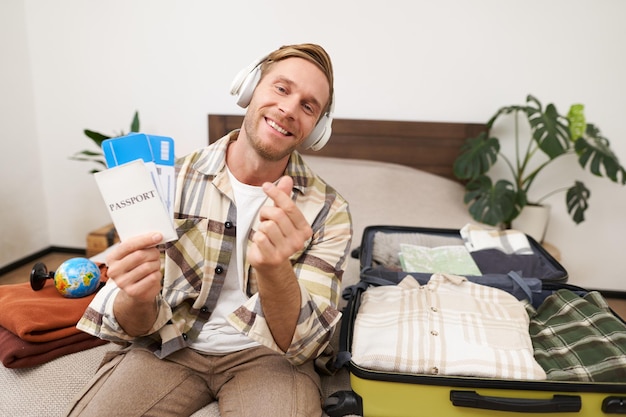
pixel 427 396
pixel 385 394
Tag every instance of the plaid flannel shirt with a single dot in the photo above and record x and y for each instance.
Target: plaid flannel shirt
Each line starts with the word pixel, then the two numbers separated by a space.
pixel 578 338
pixel 195 265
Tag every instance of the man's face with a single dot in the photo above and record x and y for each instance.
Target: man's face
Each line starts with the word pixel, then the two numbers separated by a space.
pixel 285 107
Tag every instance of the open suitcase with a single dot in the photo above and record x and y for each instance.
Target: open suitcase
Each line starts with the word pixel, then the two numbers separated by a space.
pixel 394 394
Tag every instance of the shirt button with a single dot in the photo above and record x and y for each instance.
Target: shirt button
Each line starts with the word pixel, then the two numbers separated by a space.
pixel 219 270
pixel 434 309
pixel 185 336
pixel 204 309
pixel 434 332
pixel 434 370
pixel 228 225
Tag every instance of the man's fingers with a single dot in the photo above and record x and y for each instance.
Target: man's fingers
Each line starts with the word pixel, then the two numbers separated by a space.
pixel 134 244
pixel 134 260
pixel 145 287
pixel 285 184
pixel 281 192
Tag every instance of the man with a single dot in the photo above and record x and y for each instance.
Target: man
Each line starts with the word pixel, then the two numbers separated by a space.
pixel 238 308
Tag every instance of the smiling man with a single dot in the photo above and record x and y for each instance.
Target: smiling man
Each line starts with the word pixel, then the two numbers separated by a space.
pixel 240 306
pixel 284 107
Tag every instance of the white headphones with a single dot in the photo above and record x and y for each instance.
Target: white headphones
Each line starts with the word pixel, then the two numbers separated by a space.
pixel 246 81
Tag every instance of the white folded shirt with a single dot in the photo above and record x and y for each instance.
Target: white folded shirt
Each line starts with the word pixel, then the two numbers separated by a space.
pixel 508 241
pixel 450 326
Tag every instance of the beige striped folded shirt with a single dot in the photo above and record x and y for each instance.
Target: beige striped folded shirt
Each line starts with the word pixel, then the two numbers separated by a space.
pixel 448 327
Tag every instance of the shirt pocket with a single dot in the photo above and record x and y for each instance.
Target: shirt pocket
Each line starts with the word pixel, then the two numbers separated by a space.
pixel 191 228
pixel 185 257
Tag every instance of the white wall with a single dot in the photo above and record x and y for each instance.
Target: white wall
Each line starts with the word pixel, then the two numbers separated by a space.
pixel 91 64
pixel 23 204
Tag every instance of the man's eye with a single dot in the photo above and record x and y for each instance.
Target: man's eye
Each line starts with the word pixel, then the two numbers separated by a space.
pixel 281 89
pixel 307 108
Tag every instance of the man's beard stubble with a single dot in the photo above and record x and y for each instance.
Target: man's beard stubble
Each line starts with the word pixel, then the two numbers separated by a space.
pixel 264 151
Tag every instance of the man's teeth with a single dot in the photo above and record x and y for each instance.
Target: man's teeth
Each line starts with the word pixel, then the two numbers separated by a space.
pixel 276 127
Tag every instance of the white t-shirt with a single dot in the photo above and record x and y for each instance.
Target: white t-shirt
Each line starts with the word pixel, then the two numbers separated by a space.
pixel 217 335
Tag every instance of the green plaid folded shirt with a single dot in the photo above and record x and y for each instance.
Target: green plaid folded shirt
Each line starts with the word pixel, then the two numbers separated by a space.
pixel 578 338
pixel 195 265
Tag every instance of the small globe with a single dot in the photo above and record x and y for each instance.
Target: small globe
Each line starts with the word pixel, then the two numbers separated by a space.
pixel 77 277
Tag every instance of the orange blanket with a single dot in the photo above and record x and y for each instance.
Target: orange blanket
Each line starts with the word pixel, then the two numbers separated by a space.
pixel 18 353
pixel 44 315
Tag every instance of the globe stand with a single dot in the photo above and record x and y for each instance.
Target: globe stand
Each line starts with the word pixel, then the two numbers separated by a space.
pixel 39 275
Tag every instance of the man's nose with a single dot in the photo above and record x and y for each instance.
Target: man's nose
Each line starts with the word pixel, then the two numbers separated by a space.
pixel 289 105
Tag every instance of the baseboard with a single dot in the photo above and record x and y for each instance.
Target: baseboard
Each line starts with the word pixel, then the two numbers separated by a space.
pixel 30 258
pixel 82 251
pixel 613 294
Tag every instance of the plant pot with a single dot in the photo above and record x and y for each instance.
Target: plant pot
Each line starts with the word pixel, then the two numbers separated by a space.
pixel 533 220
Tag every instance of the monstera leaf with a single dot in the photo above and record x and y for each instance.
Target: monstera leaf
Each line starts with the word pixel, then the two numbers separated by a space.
pixel 477 156
pixel 593 149
pixel 577 121
pixel 504 110
pixel 548 128
pixel 493 203
pixel 576 201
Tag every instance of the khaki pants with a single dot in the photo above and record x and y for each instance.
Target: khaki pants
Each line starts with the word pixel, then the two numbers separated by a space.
pixel 255 382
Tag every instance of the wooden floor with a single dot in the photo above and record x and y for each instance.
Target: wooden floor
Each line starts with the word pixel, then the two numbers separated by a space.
pixel 619 306
pixel 22 274
pixel 54 259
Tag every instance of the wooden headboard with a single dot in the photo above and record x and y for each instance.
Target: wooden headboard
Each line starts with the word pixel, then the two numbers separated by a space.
pixel 429 146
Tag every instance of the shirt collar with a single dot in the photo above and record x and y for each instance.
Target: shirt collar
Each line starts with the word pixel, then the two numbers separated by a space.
pixel 212 161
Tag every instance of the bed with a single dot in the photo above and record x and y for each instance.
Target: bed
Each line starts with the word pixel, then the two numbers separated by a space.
pixel 427 146
pixel 391 172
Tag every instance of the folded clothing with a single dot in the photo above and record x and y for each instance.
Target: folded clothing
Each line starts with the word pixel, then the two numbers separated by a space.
pixel 518 286
pixel 44 315
pixel 18 353
pixel 578 338
pixel 494 261
pixel 448 327
pixel 386 246
pixel 509 241
pixel 492 251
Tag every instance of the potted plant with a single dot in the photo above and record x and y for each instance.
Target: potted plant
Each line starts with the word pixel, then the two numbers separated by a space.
pixel 97 138
pixel 498 201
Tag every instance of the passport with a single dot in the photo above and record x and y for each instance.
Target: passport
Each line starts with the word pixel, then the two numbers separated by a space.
pixel 133 201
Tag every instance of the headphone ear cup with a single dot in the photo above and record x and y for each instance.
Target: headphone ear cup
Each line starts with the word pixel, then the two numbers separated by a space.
pixel 320 134
pixel 246 88
pixel 322 130
pixel 245 82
